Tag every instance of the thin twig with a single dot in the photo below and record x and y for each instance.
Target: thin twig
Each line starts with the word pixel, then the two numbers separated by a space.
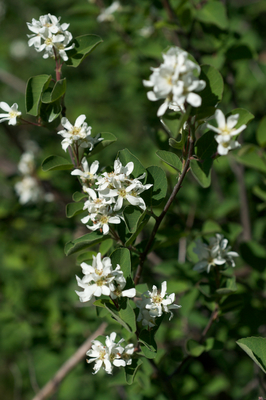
pixel 53 384
pixel 162 215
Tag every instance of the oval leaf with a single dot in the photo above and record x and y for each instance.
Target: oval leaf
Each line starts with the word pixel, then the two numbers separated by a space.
pixel 53 163
pixel 171 159
pixel 35 87
pixel 74 209
pixel 255 347
pixel 84 45
pixel 88 240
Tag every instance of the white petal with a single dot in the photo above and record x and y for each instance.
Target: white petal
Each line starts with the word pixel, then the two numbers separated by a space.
pixel 79 121
pixel 220 118
pixel 232 121
pixel 5 106
pixel 194 99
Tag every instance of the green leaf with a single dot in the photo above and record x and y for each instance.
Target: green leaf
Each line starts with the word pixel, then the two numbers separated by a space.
pixel 214 13
pixel 131 370
pixel 206 147
pixel 121 257
pixel 261 133
pixel 213 92
pixel 198 173
pixel 50 112
pixel 35 87
pixel 55 163
pixel 261 194
pixel 148 344
pixel 171 123
pixel 194 348
pixel 84 45
pixel 88 240
pixel 156 194
pixel 142 222
pixel 56 93
pixel 125 156
pixel 179 145
pixel 105 246
pixel 255 347
pixel 230 287
pixel 132 215
pixel 171 159
pixel 252 156
pixel 74 209
pixel 244 116
pixel 127 314
pixel 109 138
pixel 77 196
pixel 117 316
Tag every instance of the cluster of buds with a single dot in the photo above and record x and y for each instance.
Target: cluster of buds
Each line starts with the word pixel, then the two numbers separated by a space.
pixel 226 131
pixel 101 279
pixel 107 193
pixel 78 134
pixel 175 81
pixel 109 355
pixel 51 36
pixel 154 304
pixel 214 254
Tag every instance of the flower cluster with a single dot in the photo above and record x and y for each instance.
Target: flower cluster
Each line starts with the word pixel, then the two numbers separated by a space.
pixel 154 304
pixel 226 131
pixel 11 115
pixel 51 36
pixel 101 279
pixel 110 191
pixel 112 354
pixel 216 253
pixel 79 133
pixel 175 81
pixel 28 188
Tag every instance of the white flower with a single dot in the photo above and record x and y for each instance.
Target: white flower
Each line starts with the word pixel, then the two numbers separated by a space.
pixel 107 13
pixel 175 81
pixel 79 132
pixel 161 302
pixel 216 253
pixel 101 355
pixel 101 220
pixel 226 130
pixel 96 280
pixel 88 175
pixel 154 304
pixel 118 284
pixel 26 164
pixel 51 36
pixel 12 113
pixel 112 354
pixel 28 190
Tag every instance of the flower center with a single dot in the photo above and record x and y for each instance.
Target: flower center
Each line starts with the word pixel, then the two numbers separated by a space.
pixel 122 193
pixel 75 130
pixel 48 42
pixel 104 219
pixel 13 114
pixel 157 299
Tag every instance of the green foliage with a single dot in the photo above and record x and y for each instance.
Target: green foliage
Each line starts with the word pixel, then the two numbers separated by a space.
pixel 35 88
pixel 42 322
pixel 255 347
pixel 85 241
pixel 84 45
pixel 56 163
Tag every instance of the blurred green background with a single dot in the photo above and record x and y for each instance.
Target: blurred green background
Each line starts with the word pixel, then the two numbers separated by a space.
pixel 42 322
